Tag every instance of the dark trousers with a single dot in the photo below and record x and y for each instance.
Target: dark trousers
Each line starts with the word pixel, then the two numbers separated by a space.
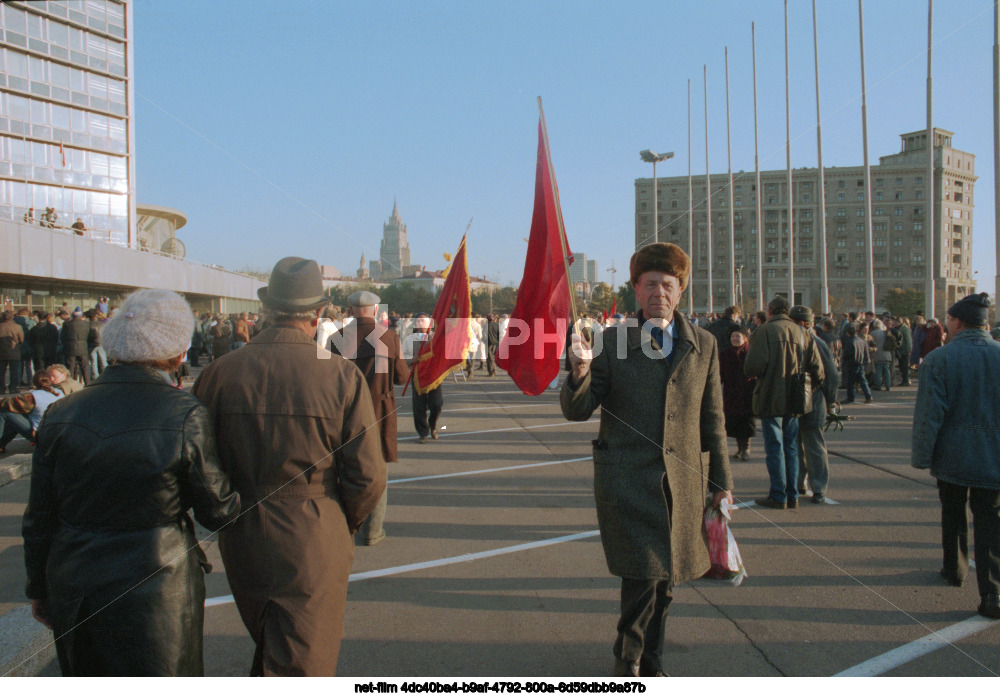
pixel 14 366
pixel 79 366
pixel 904 369
pixel 422 403
pixel 491 359
pixel 645 602
pixel 985 505
pixel 853 374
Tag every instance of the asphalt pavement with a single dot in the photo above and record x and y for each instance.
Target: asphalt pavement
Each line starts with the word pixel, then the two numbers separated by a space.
pixel 493 565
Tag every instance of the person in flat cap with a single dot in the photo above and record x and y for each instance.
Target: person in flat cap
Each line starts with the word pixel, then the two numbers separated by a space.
pixel 113 564
pixel 296 431
pixel 780 351
pixel 956 428
pixel 660 450
pixel 77 335
pixel 377 351
pixel 813 457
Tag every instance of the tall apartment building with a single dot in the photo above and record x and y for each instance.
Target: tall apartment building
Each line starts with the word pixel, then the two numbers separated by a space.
pixel 66 108
pixel 904 228
pixel 394 252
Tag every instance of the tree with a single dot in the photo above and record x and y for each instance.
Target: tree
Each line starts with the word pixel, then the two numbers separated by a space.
pixel 404 297
pixel 626 298
pixel 903 302
pixel 601 298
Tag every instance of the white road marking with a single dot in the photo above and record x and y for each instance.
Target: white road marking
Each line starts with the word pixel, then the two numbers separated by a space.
pixel 494 469
pixel 921 647
pixel 472 556
pixel 753 504
pixel 502 406
pixel 513 428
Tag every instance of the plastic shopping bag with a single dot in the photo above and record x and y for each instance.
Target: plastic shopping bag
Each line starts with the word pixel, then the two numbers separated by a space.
pixel 727 564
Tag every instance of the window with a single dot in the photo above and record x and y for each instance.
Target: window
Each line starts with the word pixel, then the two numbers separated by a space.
pixel 898 210
pixel 918 225
pixel 841 213
pixel 918 257
pixel 899 181
pixel 860 212
pixel 918 210
pixel 879 211
pixel 861 196
pixel 918 240
pixel 897 241
pixel 898 196
pixel 841 196
pixel 918 180
pixel 920 194
pixel 878 195
pixel 897 226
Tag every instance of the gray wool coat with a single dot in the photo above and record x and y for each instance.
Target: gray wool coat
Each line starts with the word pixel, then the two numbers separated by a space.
pixel 660 450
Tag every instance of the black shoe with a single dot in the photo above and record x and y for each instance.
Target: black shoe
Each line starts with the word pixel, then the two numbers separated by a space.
pixel 818 498
pixel 625 670
pixel 771 503
pixel 792 504
pixel 952 578
pixel 802 491
pixel 990 606
pixel 422 439
pixel 868 400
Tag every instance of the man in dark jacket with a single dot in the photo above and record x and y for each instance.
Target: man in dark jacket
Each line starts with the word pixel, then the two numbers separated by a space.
pixel 855 358
pixel 812 443
pixel 75 335
pixel 660 451
pixel 377 352
pixel 956 426
pixel 44 340
pixel 904 339
pixel 296 432
pixel 779 352
pixel 492 343
pixel 722 329
pixel 26 323
pixel 11 339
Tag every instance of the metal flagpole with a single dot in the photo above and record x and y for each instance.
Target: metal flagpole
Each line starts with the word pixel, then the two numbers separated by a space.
pixel 732 219
pixel 870 278
pixel 756 166
pixel 821 203
pixel 708 203
pixel 996 145
pixel 690 212
pixel 932 225
pixel 788 166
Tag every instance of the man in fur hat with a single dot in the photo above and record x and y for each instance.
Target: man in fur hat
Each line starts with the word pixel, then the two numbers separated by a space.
pixel 661 449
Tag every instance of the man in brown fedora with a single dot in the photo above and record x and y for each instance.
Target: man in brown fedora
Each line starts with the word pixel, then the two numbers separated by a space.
pixel 297 435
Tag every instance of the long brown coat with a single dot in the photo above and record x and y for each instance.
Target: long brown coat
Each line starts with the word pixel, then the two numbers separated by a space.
pixel 660 449
pixel 295 436
pixel 382 363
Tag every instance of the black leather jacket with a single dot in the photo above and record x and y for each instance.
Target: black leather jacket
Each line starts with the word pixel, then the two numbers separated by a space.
pixel 107 539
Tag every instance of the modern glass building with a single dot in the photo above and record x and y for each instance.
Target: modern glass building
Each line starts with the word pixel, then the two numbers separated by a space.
pixel 66 108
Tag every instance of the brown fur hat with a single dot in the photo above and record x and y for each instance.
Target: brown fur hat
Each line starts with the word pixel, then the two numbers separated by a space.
pixel 663 257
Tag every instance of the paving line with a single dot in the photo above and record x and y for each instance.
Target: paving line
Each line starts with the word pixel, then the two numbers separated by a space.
pixel 753 504
pixel 486 471
pixel 502 406
pixel 472 556
pixel 921 647
pixel 513 428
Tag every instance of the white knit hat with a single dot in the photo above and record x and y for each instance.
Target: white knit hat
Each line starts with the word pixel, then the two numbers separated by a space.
pixel 151 325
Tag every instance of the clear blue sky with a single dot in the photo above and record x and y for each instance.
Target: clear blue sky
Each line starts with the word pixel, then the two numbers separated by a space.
pixel 287 128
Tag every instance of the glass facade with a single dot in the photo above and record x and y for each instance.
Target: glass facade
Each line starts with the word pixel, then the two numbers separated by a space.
pixel 64 110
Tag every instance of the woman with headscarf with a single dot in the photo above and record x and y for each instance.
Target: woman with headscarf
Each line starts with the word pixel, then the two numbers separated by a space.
pixel 933 337
pixel 737 393
pixel 113 565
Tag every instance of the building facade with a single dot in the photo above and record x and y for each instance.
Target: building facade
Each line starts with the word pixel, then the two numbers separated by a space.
pixel 394 252
pixel 66 106
pixel 905 229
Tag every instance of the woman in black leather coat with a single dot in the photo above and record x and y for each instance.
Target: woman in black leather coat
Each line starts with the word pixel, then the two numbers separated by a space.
pixel 113 564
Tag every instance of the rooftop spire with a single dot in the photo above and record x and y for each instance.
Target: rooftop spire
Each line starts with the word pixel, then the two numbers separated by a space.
pixel 395 209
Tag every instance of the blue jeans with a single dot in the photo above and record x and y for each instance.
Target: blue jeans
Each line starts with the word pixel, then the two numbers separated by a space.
pixel 814 460
pixel 883 374
pixel 11 425
pixel 781 454
pixel 853 374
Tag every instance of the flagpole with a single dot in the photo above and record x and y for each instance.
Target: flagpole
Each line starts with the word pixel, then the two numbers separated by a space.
pixel 732 221
pixel 708 202
pixel 756 166
pixel 788 165
pixel 870 277
pixel 824 277
pixel 931 226
pixel 555 197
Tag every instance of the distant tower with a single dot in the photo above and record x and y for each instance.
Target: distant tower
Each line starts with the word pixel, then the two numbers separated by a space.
pixel 363 268
pixel 394 255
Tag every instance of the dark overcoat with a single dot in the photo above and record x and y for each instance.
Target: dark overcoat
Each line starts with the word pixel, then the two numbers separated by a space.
pixel 108 543
pixel 381 361
pixel 660 449
pixel 295 432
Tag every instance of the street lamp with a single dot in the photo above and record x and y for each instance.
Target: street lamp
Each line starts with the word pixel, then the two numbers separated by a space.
pixel 654 157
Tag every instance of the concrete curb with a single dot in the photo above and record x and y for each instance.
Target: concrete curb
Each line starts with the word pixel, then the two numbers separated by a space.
pixel 26 646
pixel 14 467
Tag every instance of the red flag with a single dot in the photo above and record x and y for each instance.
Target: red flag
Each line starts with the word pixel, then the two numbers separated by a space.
pixel 452 316
pixel 614 306
pixel 604 317
pixel 63 153
pixel 536 335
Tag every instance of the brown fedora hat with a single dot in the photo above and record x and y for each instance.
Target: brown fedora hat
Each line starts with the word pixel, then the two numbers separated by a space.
pixel 296 286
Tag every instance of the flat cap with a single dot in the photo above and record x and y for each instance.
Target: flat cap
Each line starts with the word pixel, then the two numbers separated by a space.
pixel 363 298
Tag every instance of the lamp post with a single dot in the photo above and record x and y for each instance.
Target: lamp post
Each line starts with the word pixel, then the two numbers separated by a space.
pixel 654 157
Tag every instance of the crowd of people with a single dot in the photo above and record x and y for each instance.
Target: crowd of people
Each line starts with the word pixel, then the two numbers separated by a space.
pixel 283 443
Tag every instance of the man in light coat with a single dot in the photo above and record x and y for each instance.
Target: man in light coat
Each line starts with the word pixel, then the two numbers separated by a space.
pixel 956 428
pixel 779 351
pixel 296 434
pixel 660 452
